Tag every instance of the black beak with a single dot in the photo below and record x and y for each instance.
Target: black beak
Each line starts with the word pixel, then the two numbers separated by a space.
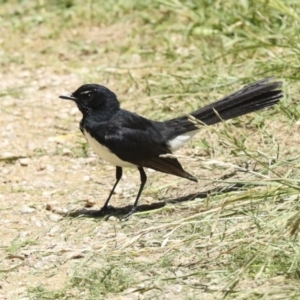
pixel 68 97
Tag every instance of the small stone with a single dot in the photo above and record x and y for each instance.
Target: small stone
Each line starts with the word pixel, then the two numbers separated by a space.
pixel 26 209
pixel 24 162
pixel 54 230
pixel 89 203
pixel 50 168
pixel 86 178
pixel 48 193
pixel 90 160
pixel 66 152
pixel 52 206
pixel 24 233
pixel 41 168
pixel 36 222
pixel 55 218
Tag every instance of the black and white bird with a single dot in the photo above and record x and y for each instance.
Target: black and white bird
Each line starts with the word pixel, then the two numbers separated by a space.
pixel 126 139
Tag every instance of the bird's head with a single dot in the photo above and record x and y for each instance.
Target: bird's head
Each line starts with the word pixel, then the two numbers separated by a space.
pixel 92 98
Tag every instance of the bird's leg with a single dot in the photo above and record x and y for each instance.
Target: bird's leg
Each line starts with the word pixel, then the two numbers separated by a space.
pixel 143 182
pixel 118 177
pixel 105 206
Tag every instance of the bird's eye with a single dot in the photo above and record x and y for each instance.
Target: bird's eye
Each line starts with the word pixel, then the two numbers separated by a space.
pixel 86 95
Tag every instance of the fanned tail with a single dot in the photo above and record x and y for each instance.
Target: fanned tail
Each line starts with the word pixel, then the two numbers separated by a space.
pixel 253 97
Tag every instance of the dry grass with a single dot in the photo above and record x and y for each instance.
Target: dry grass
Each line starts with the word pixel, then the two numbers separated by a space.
pixel 233 235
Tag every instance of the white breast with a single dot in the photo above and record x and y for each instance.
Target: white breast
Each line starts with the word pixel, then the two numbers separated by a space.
pixel 180 140
pixel 104 153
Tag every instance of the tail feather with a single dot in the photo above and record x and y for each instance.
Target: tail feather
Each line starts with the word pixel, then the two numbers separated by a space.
pixel 253 97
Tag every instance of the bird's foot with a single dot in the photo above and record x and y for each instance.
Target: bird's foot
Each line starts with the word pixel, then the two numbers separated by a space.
pixel 133 210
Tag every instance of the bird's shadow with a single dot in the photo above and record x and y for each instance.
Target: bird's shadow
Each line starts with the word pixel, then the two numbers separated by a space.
pixel 112 211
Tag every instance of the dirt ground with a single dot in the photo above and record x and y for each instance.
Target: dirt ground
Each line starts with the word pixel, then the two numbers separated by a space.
pixel 50 179
pixel 45 174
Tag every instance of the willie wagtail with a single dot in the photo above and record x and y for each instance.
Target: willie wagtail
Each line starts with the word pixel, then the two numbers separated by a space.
pixel 126 139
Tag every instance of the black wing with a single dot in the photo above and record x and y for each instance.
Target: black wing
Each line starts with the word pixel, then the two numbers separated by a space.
pixel 137 140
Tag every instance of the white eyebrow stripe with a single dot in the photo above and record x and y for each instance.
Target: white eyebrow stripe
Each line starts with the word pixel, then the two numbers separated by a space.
pixel 85 92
